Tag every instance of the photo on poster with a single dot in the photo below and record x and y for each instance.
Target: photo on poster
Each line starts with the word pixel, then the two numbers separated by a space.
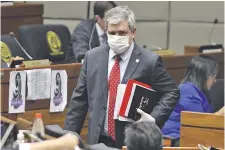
pixel 17 87
pixel 57 99
pixel 58 91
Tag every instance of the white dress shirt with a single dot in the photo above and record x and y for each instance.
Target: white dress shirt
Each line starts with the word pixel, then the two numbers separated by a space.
pixel 100 33
pixel 123 65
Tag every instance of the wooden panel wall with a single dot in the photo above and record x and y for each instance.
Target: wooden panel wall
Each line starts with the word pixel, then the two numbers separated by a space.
pixel 201 128
pixel 20 14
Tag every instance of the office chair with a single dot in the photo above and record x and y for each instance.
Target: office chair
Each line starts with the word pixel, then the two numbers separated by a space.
pixel 45 41
pixel 10 44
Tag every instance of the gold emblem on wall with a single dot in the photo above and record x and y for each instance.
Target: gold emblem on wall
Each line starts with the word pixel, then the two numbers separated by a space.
pixel 6 54
pixel 54 43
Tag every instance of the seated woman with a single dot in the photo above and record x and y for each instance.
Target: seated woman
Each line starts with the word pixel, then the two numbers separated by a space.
pixel 199 78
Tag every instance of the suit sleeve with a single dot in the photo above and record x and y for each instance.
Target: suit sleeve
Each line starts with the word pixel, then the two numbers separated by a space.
pixel 80 41
pixel 163 83
pixel 78 106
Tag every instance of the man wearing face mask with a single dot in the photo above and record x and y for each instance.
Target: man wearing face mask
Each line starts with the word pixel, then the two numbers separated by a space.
pixel 106 67
pixel 89 33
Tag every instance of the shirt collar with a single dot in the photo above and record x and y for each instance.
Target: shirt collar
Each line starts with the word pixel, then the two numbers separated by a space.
pixel 125 55
pixel 99 30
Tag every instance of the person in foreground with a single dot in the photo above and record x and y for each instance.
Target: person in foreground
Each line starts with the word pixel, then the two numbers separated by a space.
pixel 198 79
pixel 141 135
pixel 106 67
pixel 89 33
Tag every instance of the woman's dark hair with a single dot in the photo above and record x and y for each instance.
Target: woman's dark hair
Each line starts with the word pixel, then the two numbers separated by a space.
pixel 199 70
pixel 100 7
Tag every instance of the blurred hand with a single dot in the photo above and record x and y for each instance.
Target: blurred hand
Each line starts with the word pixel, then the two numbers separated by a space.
pixel 69 140
pixel 66 142
pixel 17 58
pixel 145 116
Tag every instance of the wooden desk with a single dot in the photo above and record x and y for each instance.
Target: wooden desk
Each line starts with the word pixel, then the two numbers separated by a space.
pixel 73 71
pixel 20 14
pixel 201 128
pixel 32 107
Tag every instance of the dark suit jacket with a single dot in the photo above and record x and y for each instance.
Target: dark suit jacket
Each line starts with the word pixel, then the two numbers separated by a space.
pixel 81 38
pixel 91 93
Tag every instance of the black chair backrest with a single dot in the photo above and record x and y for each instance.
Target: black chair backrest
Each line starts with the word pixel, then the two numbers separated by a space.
pixel 216 94
pixel 211 48
pixel 45 41
pixel 8 43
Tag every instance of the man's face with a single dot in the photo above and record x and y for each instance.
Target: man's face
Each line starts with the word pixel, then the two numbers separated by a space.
pixel 121 29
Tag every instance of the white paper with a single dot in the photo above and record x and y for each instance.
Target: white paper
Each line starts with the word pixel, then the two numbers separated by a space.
pixel 17 87
pixel 58 91
pixel 39 84
pixel 119 97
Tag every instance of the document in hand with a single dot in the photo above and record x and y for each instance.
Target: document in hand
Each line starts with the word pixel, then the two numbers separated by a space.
pixel 137 95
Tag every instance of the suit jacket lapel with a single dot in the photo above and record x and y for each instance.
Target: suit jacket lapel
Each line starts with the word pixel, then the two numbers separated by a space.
pixel 104 70
pixel 132 64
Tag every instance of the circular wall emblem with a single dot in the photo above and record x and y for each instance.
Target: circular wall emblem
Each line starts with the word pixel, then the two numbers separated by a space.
pixel 6 54
pixel 54 43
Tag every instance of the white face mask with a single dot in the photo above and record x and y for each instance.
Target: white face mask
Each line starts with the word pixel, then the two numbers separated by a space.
pixel 119 44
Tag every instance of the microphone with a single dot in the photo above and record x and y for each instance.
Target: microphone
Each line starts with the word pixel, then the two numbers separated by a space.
pixel 14 37
pixel 152 47
pixel 210 33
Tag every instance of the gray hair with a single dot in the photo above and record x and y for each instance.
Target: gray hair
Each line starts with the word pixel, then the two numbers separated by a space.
pixel 143 136
pixel 118 14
